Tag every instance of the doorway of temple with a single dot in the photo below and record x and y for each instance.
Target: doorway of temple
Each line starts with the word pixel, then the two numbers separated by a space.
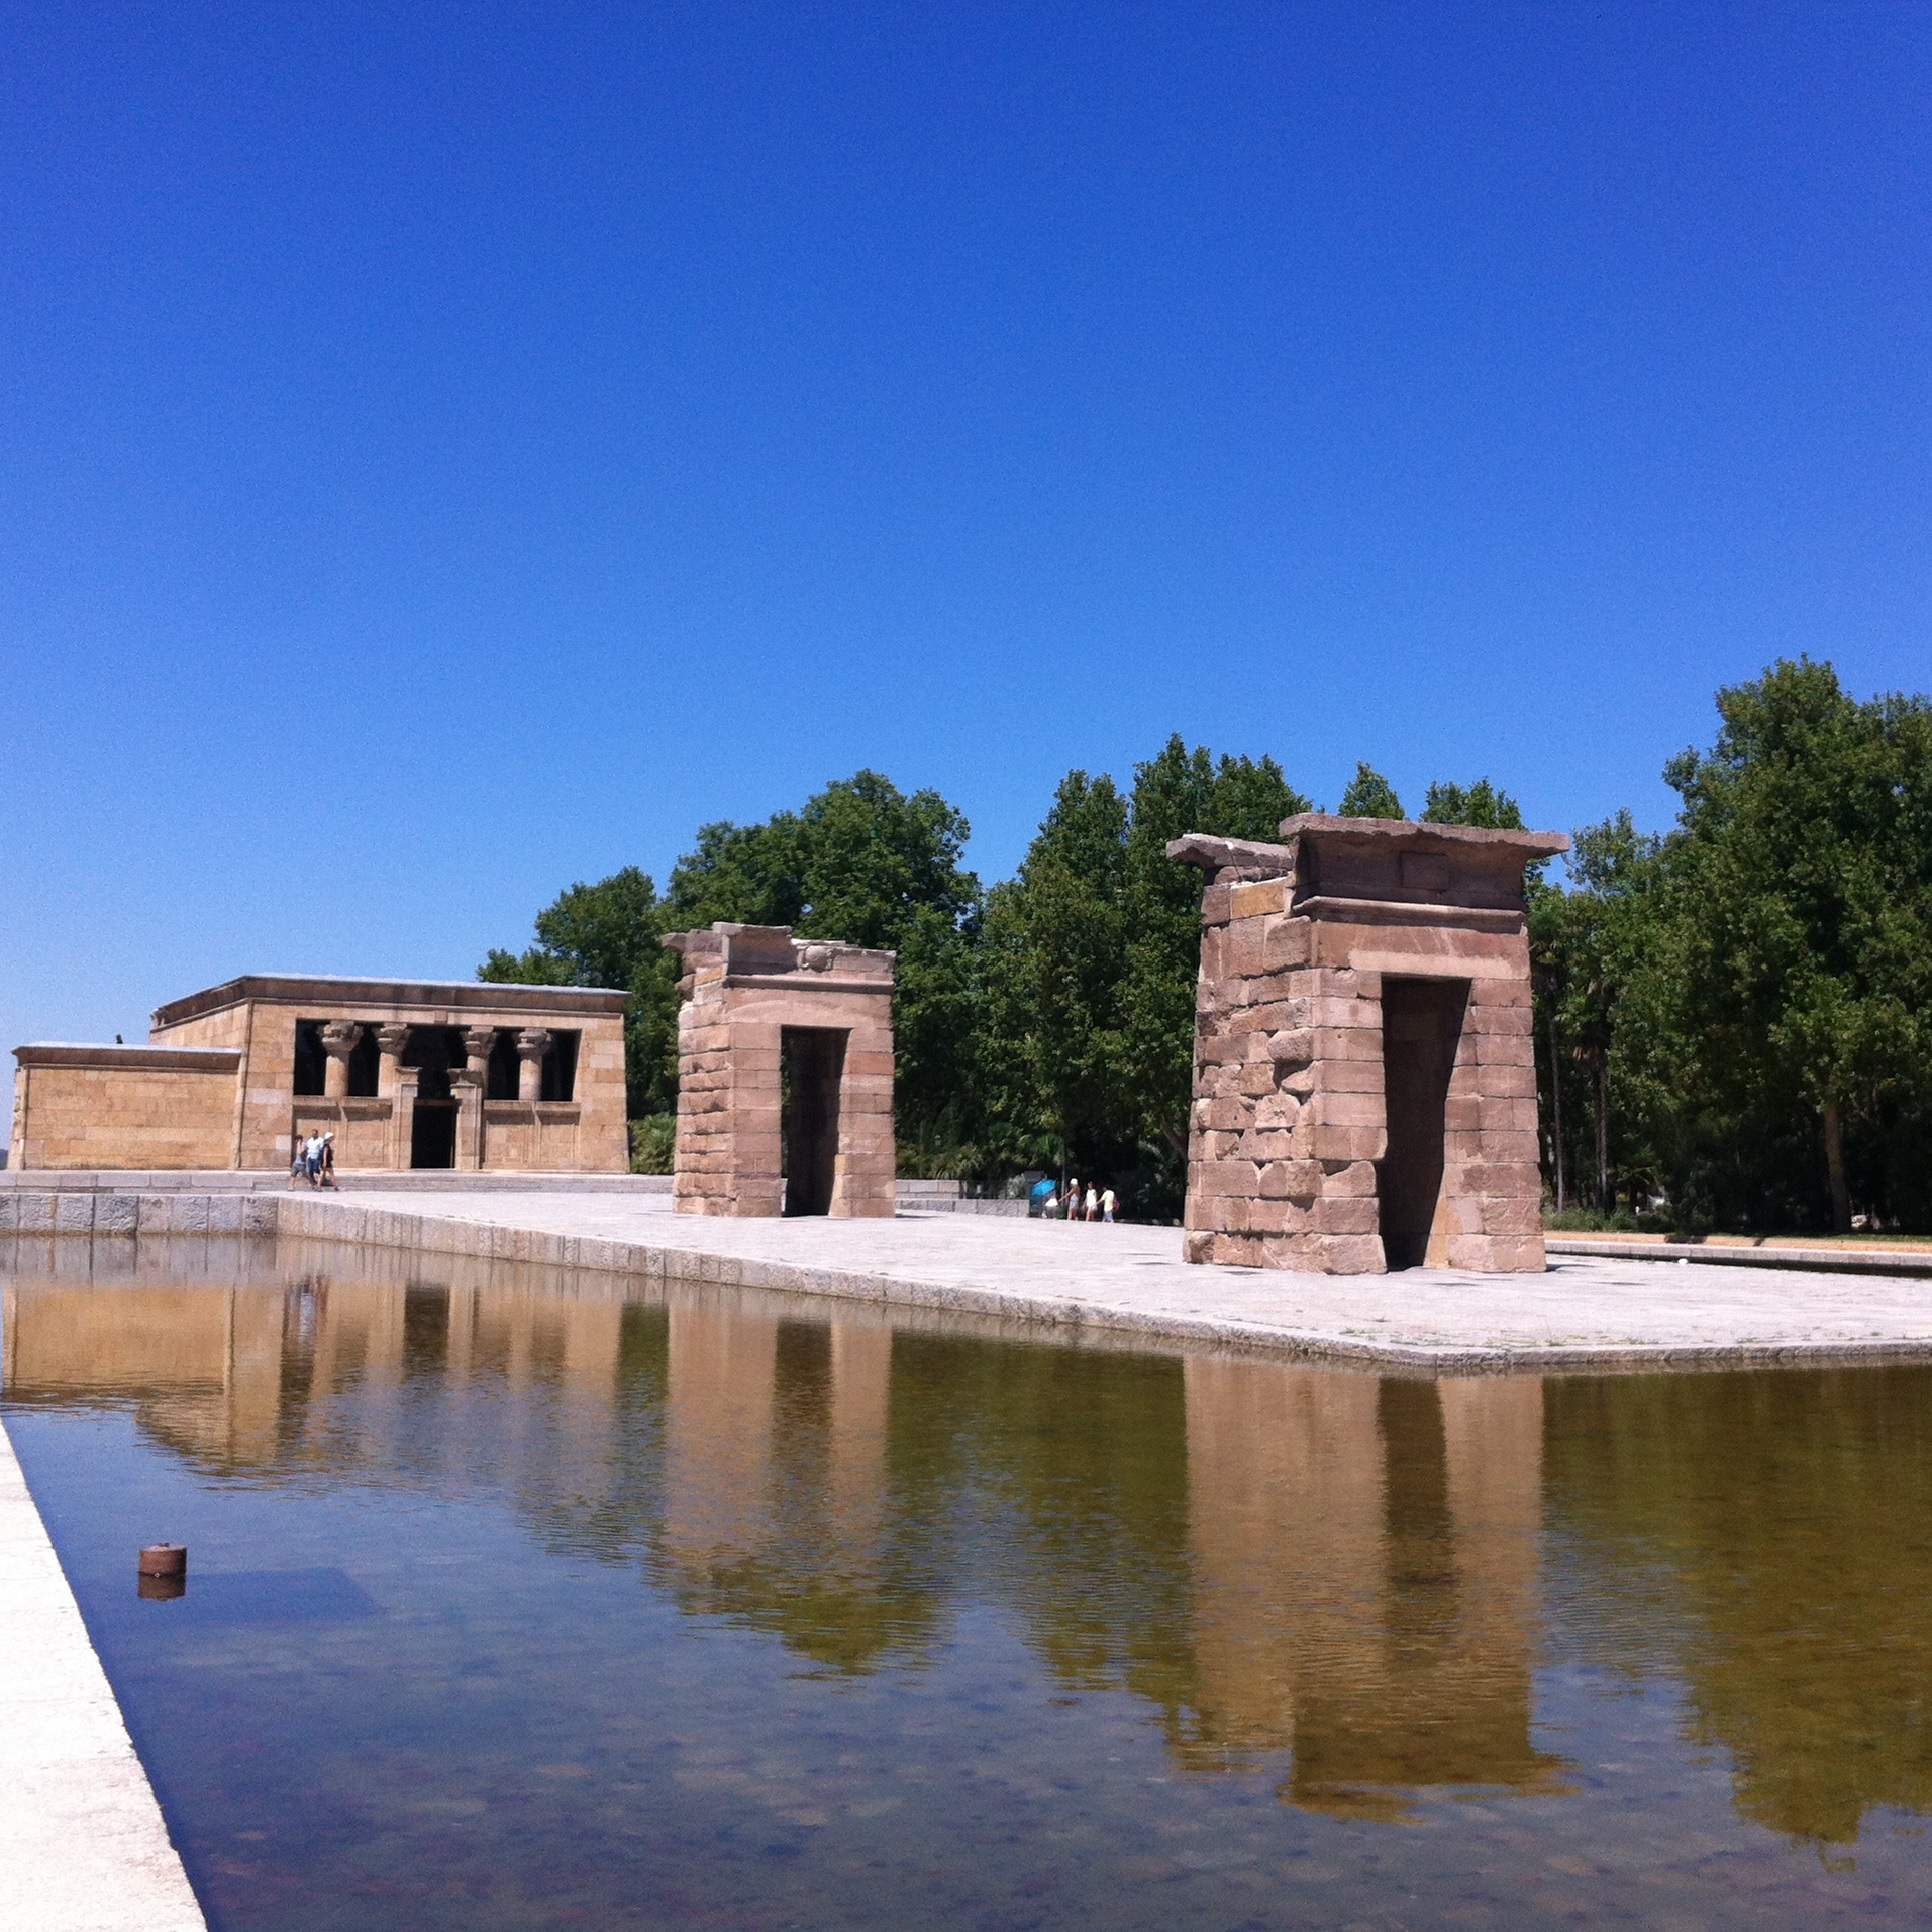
pixel 813 1063
pixel 432 1134
pixel 1421 1024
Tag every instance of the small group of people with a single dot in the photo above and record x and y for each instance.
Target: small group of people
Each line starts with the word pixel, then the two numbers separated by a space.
pixel 313 1161
pixel 1071 1204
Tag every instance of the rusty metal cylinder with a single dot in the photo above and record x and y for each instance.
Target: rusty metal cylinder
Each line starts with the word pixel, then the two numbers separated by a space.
pixel 164 1559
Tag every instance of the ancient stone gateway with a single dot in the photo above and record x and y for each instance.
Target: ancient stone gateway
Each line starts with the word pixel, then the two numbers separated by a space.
pixel 1364 1078
pixel 784 1075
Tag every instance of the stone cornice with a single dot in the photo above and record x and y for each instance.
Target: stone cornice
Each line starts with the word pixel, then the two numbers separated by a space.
pixel 319 992
pixel 124 1059
pixel 1414 834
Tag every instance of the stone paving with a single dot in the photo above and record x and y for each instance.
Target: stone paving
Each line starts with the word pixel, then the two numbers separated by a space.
pixel 1586 1312
pixel 83 1847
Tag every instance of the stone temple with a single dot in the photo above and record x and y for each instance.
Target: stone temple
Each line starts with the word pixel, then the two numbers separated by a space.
pixel 404 1073
pixel 784 1075
pixel 1364 1071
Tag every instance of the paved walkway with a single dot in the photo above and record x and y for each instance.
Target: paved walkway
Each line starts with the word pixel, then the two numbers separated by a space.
pixel 1586 1312
pixel 82 1844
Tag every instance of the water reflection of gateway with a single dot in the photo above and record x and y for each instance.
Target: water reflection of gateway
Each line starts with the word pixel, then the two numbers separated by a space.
pixel 1364 1556
pixel 776 1492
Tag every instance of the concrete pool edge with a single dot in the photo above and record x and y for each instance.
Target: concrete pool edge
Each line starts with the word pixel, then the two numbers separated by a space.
pixel 320 1218
pixel 1046 1295
pixel 83 1844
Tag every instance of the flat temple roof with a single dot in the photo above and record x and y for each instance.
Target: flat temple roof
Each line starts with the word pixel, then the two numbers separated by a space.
pixel 334 989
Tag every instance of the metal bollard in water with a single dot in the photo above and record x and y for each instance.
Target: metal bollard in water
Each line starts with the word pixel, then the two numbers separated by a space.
pixel 162 1573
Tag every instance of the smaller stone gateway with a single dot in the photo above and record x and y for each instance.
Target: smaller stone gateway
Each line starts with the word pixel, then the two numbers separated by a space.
pixel 784 1075
pixel 1364 1071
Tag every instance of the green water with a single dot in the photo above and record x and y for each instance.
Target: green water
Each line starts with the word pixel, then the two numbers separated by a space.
pixel 527 1600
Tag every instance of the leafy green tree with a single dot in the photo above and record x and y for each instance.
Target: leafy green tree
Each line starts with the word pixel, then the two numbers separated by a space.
pixel 1088 970
pixel 861 861
pixel 1586 947
pixel 1053 956
pixel 866 863
pixel 1740 1008
pixel 606 934
pixel 1794 974
pixel 1369 795
pixel 589 935
pixel 1477 804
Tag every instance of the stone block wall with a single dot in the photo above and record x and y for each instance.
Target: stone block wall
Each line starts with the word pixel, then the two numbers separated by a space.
pixel 157 1106
pixel 123 1107
pixel 1289 1154
pixel 743 987
pixel 588 1134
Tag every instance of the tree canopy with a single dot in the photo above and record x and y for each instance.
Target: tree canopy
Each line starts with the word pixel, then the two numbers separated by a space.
pixel 1369 795
pixel 1732 1017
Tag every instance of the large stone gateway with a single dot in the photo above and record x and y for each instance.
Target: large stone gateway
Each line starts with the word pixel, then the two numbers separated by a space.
pixel 784 1075
pixel 1364 1074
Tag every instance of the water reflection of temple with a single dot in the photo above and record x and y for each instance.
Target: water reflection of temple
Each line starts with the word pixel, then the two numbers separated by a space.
pixel 1330 1578
pixel 1364 1557
pixel 1286 1560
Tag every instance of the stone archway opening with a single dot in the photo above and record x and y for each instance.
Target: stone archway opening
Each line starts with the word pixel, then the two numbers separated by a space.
pixel 812 1064
pixel 1421 1028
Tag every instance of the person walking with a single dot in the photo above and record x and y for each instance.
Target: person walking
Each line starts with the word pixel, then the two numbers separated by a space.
pixel 298 1158
pixel 328 1160
pixel 312 1158
pixel 1093 1202
pixel 1107 1204
pixel 1071 1199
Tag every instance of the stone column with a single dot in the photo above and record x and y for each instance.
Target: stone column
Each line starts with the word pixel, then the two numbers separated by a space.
pixel 532 1044
pixel 469 1086
pixel 397 1085
pixel 339 1039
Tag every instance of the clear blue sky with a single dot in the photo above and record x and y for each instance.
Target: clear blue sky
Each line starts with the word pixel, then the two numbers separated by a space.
pixel 450 451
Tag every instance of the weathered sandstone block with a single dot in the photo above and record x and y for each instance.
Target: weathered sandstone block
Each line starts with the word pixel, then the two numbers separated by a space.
pixel 1365 1089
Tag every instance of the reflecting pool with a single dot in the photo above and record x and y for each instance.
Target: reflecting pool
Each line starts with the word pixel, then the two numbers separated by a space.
pixel 524 1599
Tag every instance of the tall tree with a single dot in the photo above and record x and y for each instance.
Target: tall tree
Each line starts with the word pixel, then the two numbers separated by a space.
pixel 606 934
pixel 1477 804
pixel 860 861
pixel 1089 964
pixel 1587 946
pixel 869 864
pixel 1799 900
pixel 1369 795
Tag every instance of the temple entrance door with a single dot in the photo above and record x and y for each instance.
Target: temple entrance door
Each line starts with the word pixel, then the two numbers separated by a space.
pixel 813 1065
pixel 432 1134
pixel 1421 1024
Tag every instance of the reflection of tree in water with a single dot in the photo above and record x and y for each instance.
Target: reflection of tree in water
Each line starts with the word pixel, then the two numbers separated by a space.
pixel 1057 1479
pixel 1772 1535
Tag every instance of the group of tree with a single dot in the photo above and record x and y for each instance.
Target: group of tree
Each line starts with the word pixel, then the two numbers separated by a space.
pixel 1732 1017
pixel 1736 1016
